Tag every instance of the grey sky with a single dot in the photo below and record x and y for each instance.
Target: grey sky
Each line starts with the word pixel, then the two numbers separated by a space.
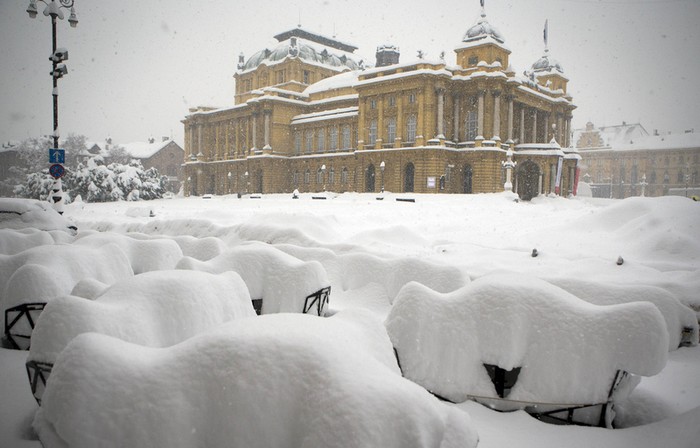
pixel 136 66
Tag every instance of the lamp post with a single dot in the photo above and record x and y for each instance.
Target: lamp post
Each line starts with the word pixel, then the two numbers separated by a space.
pixel 229 181
pixel 509 164
pixel 382 166
pixel 245 176
pixel 58 55
pixel 323 176
pixel 643 184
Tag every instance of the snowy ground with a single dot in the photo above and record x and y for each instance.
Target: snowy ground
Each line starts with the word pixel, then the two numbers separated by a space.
pixel 469 236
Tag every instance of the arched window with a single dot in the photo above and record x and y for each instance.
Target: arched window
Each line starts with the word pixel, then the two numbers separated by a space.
pixel 333 137
pixel 331 176
pixel 295 179
pixel 346 136
pixel 344 176
pixel 408 180
pixel 372 138
pixel 307 176
pixel 309 140
pixel 369 179
pixel 321 140
pixel 297 143
pixel 391 130
pixel 470 126
pixel 319 176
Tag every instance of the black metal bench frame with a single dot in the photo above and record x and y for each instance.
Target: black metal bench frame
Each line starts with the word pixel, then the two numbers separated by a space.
pixel 14 315
pixel 38 371
pixel 317 301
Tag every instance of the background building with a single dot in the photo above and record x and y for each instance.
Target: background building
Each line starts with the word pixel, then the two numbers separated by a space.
pixel 308 115
pixel 621 161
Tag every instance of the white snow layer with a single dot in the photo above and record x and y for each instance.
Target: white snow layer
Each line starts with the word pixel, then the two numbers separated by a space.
pixel 569 350
pixel 281 280
pixel 23 213
pixel 285 380
pixel 155 309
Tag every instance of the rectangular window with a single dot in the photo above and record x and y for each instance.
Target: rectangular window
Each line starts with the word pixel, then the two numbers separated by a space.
pixel 321 140
pixel 392 101
pixel 411 128
pixel 280 74
pixel 391 130
pixel 372 104
pixel 411 98
pixel 470 126
pixel 372 132
pixel 307 77
pixel 309 141
pixel 346 136
pixel 297 142
pixel 333 138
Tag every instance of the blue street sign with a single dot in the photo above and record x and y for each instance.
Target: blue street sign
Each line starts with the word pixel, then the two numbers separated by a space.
pixel 56 170
pixel 57 155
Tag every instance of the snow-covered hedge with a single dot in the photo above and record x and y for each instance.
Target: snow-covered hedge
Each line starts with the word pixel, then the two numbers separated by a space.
pixel 145 255
pixel 281 280
pixel 31 213
pixel 568 350
pixel 680 320
pixel 15 241
pixel 284 380
pixel 155 309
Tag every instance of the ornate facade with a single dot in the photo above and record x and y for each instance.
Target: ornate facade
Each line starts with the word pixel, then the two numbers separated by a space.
pixel 308 115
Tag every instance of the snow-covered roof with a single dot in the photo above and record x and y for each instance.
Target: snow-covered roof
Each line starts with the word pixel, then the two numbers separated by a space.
pixel 144 150
pixel 342 80
pixel 342 112
pixel 547 64
pixel 614 136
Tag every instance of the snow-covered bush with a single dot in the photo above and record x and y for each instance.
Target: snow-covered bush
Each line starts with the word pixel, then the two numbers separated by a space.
pixel 284 380
pixel 282 281
pixel 568 351
pixel 156 309
pixel 15 241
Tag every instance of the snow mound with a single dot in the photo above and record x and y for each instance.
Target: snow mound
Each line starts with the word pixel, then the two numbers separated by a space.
pixel 89 288
pixel 16 241
pixel 357 270
pixel 281 280
pixel 145 255
pixel 443 341
pixel 680 320
pixel 285 380
pixel 154 309
pixel 200 248
pixel 42 273
pixel 31 213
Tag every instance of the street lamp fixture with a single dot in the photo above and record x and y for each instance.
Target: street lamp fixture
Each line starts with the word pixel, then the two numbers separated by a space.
pixel 382 166
pixel 58 56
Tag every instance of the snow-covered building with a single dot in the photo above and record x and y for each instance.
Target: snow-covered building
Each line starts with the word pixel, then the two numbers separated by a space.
pixel 9 157
pixel 624 160
pixel 166 156
pixel 309 115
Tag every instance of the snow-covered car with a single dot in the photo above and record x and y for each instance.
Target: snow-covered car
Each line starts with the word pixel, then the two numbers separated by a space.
pixel 18 213
pixel 155 309
pixel 277 281
pixel 283 380
pixel 517 342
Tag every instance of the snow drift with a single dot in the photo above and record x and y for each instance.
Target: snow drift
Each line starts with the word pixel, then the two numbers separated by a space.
pixel 18 213
pixel 280 380
pixel 568 350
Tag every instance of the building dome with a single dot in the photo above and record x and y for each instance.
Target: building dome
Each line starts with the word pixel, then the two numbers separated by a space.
pixel 483 29
pixel 296 48
pixel 547 64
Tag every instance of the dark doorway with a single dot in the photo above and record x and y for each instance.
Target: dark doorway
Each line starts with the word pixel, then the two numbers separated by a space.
pixel 467 175
pixel 369 179
pixel 259 178
pixel 408 179
pixel 528 178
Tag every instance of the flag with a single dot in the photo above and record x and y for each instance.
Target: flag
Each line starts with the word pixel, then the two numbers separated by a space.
pixel 545 31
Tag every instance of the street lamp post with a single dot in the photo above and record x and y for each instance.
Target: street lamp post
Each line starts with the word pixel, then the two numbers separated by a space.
pixel 323 176
pixel 229 182
pixel 58 55
pixel 382 166
pixel 245 175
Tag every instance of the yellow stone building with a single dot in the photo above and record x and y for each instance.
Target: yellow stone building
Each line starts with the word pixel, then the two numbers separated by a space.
pixel 309 116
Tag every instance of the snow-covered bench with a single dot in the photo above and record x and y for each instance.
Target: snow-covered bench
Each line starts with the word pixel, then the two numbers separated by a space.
pixel 278 282
pixel 30 279
pixel 517 342
pixel 680 320
pixel 154 309
pixel 282 380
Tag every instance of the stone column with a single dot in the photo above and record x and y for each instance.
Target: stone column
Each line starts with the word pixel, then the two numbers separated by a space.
pixel 534 125
pixel 546 127
pixel 381 130
pixel 480 116
pixel 255 131
pixel 522 124
pixel 199 140
pixel 560 128
pixel 496 115
pixel 455 121
pixel 567 130
pixel 440 92
pixel 510 119
pixel 267 129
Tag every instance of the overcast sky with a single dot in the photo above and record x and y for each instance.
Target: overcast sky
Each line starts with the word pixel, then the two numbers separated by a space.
pixel 136 66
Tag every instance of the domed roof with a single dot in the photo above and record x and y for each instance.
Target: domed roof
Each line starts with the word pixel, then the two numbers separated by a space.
pixel 298 48
pixel 546 63
pixel 482 29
